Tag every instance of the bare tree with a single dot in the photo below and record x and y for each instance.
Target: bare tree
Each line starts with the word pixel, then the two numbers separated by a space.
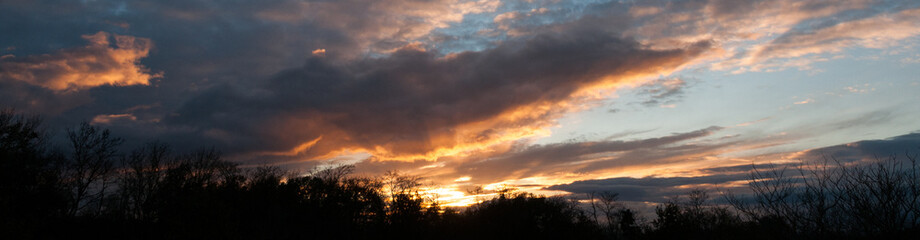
pixel 594 206
pixel 610 207
pixel 203 168
pixel 832 198
pixel 334 174
pixel 89 169
pixel 143 173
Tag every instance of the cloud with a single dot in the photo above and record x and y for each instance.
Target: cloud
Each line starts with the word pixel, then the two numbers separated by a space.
pixel 806 101
pixel 321 52
pixel 866 150
pixel 663 92
pixel 747 35
pixel 586 157
pixel 873 32
pixel 418 105
pixel 109 118
pixel 734 177
pixel 771 35
pixel 648 189
pixel 506 16
pixel 99 63
pixel 376 25
pixel 726 21
pixel 641 11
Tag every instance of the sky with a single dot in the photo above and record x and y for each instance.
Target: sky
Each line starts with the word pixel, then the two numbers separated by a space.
pixel 645 98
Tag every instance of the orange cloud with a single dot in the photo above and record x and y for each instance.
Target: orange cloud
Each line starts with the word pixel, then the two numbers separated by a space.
pixel 99 63
pixel 505 16
pixel 641 11
pixel 109 118
pixel 300 149
pixel 321 52
pixel 806 101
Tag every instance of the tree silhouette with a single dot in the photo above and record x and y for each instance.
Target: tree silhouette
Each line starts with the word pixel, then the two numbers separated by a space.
pixel 144 170
pixel 526 216
pixel 87 173
pixel 617 221
pixel 694 218
pixel 31 199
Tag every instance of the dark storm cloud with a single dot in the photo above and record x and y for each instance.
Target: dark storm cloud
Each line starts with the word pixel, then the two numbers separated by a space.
pixel 414 102
pixel 38 100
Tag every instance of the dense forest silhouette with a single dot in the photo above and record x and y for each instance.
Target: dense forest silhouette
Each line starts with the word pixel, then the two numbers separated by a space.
pixel 93 189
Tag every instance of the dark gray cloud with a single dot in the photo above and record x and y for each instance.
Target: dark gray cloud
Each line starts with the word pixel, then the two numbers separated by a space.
pixel 411 101
pixel 867 149
pixel 648 189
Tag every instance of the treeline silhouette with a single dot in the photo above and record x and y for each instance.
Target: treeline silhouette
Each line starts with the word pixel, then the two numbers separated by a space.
pixel 91 189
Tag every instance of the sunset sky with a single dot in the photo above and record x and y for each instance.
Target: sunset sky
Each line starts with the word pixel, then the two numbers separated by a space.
pixel 645 98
